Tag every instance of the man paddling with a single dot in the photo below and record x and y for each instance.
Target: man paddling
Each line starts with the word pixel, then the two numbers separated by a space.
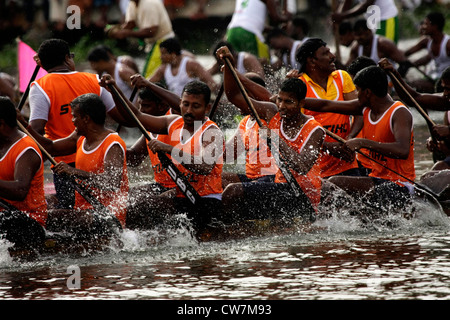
pixel 318 72
pixel 50 98
pixel 21 182
pixel 152 104
pixel 100 165
pixel 300 144
pixel 195 146
pixel 386 137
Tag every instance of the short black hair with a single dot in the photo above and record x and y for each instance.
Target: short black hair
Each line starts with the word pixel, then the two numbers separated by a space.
pixel 345 27
pixel 360 25
pixel 360 63
pixel 198 87
pixel 295 86
pixel 147 94
pixel 437 19
pixel 307 50
pixel 373 78
pixel 8 112
pixel 172 45
pixel 302 23
pixel 91 105
pixel 53 52
pixel 100 53
pixel 274 33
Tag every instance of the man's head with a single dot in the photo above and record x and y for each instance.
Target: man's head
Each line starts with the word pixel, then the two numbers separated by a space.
pixel 8 114
pixel 360 63
pixel 346 34
pixel 55 52
pixel 363 35
pixel 372 78
pixel 99 57
pixel 291 97
pixel 150 103
pixel 297 28
pixel 169 48
pixel 87 108
pixel 314 54
pixel 433 20
pixel 275 38
pixel 221 44
pixel 195 100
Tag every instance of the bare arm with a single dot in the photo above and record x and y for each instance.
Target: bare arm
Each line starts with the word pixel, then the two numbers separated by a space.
pixel 427 101
pixel 266 110
pixel 109 179
pixel 137 153
pixel 399 149
pixel 350 107
pixel 24 171
pixel 149 122
pixel 212 149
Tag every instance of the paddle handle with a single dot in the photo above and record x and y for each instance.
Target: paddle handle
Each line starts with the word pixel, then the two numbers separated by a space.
pixel 27 90
pixel 285 170
pixel 116 93
pixel 216 102
pixel 243 91
pixel 180 180
pixel 342 140
pixel 45 152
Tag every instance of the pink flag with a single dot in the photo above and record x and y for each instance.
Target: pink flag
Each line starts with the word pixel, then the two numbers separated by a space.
pixel 26 65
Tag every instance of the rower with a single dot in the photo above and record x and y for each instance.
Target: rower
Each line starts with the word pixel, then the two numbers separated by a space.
pixel 152 104
pixel 300 144
pixel 50 98
pixel 438 177
pixel 318 72
pixel 100 165
pixel 437 43
pixel 196 146
pixel 178 69
pixel 386 137
pixel 21 183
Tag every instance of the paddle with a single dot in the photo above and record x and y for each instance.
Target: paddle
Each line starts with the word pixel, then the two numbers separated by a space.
pixel 27 90
pixel 418 186
pixel 216 102
pixel 180 180
pixel 277 156
pixel 424 114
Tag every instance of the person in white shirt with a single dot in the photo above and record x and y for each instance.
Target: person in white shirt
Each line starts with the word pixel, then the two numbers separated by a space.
pixel 178 69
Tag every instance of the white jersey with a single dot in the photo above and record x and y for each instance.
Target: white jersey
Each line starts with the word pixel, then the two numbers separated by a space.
pixel 291 61
pixel 250 15
pixel 126 89
pixel 176 83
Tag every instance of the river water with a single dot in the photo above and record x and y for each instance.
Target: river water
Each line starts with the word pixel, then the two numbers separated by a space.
pixel 340 259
